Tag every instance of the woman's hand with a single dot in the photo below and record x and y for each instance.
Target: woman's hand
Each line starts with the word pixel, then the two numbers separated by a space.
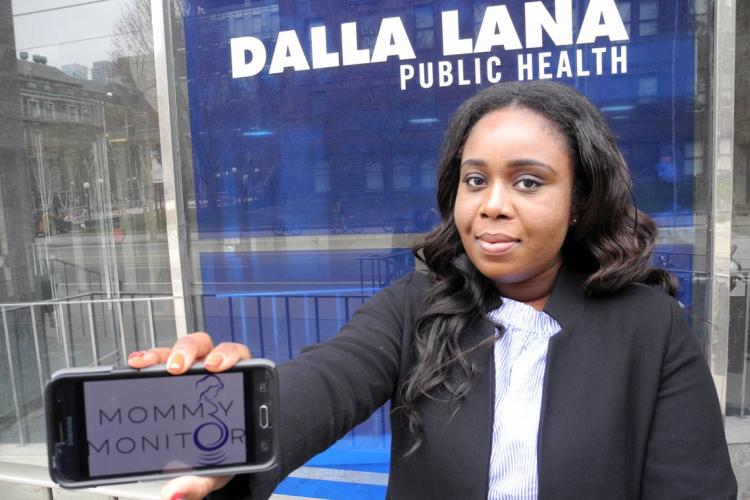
pixel 189 349
pixel 186 351
pixel 192 487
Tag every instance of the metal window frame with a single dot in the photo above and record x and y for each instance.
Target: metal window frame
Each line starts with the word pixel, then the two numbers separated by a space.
pixel 721 124
pixel 177 231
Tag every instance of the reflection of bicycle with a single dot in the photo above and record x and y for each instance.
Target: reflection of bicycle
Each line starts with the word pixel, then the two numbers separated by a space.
pixel 282 227
pixel 396 225
pixel 344 224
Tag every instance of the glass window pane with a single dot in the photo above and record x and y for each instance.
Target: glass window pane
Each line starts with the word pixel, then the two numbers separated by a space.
pixel 738 385
pixel 374 176
pixel 648 28
pixel 649 10
pixel 82 222
pixel 423 17
pixel 428 174
pixel 303 190
pixel 295 233
pixel 401 176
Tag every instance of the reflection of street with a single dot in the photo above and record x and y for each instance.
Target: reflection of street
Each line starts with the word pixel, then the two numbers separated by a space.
pixel 85 251
pixel 265 262
pixel 319 260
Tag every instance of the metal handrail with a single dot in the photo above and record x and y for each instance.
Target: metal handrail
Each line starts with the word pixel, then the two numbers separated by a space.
pixel 38 476
pixel 88 325
pixel 19 305
pixel 253 309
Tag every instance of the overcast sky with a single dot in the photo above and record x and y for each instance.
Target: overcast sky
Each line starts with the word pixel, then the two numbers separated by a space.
pixel 68 33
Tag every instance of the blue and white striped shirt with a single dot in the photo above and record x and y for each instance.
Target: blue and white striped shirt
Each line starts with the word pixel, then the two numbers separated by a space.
pixel 520 361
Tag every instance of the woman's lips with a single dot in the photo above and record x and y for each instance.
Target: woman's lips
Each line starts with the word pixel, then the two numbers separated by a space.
pixel 496 243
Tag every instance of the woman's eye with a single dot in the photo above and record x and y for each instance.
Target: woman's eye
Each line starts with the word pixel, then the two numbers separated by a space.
pixel 474 181
pixel 528 183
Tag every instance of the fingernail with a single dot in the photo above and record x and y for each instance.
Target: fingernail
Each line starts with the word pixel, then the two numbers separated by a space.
pixel 177 496
pixel 136 354
pixel 214 359
pixel 176 360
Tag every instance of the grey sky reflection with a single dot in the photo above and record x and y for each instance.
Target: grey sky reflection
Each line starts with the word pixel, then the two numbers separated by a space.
pixel 68 34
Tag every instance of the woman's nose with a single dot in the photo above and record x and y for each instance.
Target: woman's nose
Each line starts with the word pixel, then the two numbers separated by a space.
pixel 496 202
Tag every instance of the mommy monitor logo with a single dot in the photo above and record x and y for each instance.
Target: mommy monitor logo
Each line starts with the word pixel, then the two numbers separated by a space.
pixel 168 423
pixel 497 39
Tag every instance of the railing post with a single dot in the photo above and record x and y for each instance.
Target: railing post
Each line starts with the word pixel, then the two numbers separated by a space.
pixel 260 328
pixel 288 326
pixel 121 325
pixel 63 335
pixel 92 329
pixel 13 388
pixel 135 324
pixel 69 330
pixel 37 353
pixel 317 319
pixel 243 316
pixel 231 318
pixel 83 321
pixel 361 276
pixel 151 325
pixel 744 346
pixel 306 316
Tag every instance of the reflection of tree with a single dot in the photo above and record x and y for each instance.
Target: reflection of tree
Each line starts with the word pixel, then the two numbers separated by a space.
pixel 134 33
pixel 62 160
pixel 133 30
pixel 132 98
pixel 398 141
pixel 232 165
pixel 133 61
pixel 220 146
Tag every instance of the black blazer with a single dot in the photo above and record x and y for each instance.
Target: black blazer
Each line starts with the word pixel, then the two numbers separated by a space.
pixel 629 409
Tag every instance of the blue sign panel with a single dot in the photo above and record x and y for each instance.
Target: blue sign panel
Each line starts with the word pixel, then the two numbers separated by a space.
pixel 318 120
pixel 304 111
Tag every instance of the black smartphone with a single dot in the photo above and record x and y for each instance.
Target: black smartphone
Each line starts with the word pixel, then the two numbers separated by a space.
pixel 108 425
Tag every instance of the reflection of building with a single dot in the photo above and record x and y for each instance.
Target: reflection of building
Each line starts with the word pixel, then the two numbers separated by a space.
pixel 102 71
pixel 89 147
pixel 76 70
pixel 16 239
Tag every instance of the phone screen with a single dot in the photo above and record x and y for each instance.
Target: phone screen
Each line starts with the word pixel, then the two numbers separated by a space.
pixel 142 425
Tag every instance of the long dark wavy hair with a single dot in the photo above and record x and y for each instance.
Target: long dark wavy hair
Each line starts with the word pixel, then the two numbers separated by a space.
pixel 610 242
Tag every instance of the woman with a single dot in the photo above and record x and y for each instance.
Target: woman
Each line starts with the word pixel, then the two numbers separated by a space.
pixel 541 356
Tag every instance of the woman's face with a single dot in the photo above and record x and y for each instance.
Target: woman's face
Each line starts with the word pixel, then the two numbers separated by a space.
pixel 513 204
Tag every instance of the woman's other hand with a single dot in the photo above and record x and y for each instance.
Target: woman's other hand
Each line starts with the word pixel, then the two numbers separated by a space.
pixel 189 349
pixel 186 351
pixel 192 487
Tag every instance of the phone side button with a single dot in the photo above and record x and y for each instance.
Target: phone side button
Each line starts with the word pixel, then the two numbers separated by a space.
pixel 263 416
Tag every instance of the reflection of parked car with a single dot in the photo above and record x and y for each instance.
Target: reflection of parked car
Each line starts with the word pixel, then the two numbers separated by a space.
pixel 282 227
